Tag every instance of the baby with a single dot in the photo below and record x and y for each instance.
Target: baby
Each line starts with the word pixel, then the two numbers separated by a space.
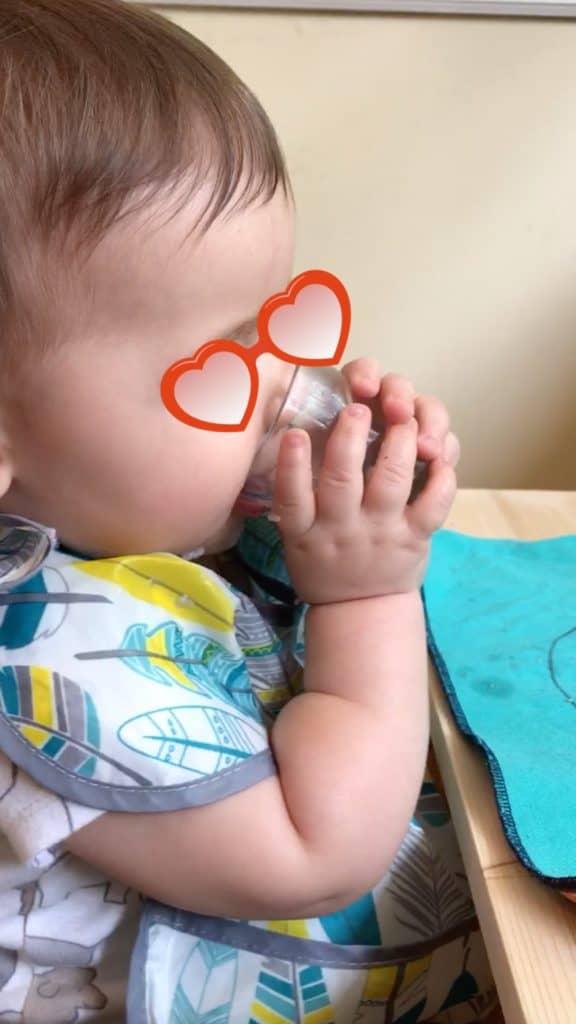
pixel 247 753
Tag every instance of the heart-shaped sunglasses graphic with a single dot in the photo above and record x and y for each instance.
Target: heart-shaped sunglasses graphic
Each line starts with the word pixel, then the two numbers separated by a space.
pixel 217 388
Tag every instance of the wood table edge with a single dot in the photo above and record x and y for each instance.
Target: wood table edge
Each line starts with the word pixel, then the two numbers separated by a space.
pixel 513 512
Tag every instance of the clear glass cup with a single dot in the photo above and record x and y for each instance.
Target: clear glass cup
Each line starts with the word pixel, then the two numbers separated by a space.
pixel 315 397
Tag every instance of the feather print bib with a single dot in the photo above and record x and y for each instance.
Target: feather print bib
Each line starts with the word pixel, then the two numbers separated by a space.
pixel 148 683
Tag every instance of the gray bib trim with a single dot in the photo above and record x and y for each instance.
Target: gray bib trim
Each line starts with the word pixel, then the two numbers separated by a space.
pixel 139 795
pixel 249 938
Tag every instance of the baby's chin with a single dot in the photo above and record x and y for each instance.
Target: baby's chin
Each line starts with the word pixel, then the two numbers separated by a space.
pixel 226 537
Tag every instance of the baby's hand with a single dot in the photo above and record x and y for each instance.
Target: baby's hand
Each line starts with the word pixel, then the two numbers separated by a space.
pixel 358 537
pixel 395 399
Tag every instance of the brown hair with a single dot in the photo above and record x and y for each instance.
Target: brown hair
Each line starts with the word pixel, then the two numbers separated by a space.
pixel 104 105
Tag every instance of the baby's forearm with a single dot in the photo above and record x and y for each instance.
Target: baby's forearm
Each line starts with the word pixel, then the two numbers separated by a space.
pixel 351 749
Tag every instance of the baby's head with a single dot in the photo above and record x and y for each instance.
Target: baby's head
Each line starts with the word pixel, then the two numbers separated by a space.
pixel 144 210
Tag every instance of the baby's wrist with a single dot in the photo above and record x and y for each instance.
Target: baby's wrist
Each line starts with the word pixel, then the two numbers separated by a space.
pixel 326 595
pixel 367 602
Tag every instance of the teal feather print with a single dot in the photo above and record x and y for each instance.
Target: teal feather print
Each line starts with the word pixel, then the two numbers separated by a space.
pixel 314 998
pixel 431 807
pixel 159 655
pixel 199 738
pixel 356 925
pixel 275 999
pixel 289 994
pixel 57 717
pixel 193 661
pixel 228 671
pixel 206 986
pixel 22 620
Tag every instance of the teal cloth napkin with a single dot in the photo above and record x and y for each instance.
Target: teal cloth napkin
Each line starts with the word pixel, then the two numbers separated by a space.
pixel 501 619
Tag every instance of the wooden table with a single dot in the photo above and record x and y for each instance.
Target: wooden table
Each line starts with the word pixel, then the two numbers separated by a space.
pixel 529 929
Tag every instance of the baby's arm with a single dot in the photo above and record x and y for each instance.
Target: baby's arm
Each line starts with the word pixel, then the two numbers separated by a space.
pixel 350 750
pixel 350 755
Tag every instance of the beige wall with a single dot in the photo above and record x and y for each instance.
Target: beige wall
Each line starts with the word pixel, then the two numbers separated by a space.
pixel 434 164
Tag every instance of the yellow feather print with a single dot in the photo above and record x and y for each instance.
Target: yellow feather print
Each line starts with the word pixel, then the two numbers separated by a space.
pixel 41 694
pixel 413 970
pixel 299 929
pixel 182 588
pixel 379 983
pixel 156 644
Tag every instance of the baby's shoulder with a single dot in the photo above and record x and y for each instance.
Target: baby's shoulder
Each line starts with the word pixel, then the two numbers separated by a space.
pixel 120 676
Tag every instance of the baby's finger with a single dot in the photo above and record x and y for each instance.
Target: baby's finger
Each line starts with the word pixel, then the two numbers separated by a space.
pixel 390 480
pixel 341 479
pixel 431 508
pixel 397 398
pixel 363 377
pixel 434 424
pixel 293 504
pixel 451 453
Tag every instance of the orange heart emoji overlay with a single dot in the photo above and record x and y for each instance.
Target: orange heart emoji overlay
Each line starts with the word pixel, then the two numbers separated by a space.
pixel 217 388
pixel 309 323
